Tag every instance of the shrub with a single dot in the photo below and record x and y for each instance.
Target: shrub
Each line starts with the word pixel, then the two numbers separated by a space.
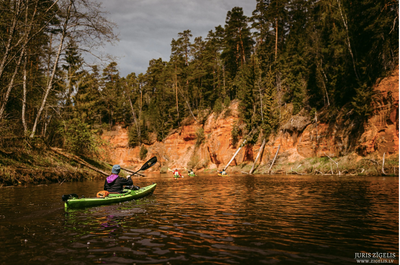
pixel 78 138
pixel 218 107
pixel 133 139
pixel 227 101
pixel 200 137
pixel 235 133
pixel 143 152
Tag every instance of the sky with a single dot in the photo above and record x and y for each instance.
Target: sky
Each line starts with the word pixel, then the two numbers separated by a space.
pixel 146 28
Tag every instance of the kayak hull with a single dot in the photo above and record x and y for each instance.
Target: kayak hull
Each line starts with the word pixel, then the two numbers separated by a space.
pixel 192 175
pixel 110 199
pixel 222 175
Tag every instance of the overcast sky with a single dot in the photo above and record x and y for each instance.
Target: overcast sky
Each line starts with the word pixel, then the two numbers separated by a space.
pixel 147 27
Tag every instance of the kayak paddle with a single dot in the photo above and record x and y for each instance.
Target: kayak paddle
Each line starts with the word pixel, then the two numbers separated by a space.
pixel 145 166
pixel 148 164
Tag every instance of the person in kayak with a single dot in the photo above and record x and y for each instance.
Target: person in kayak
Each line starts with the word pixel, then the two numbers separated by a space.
pixel 115 183
pixel 177 174
pixel 222 172
pixel 191 172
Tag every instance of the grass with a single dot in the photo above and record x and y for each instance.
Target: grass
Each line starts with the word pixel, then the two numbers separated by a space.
pixel 37 164
pixel 352 165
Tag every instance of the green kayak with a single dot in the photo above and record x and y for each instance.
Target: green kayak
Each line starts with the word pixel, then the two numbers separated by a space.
pixel 192 175
pixel 75 203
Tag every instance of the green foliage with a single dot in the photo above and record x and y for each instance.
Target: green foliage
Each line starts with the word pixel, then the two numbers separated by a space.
pixel 133 139
pixel 362 101
pixel 200 137
pixel 143 152
pixel 238 41
pixel 311 54
pixel 194 161
pixel 245 82
pixel 270 113
pixel 235 133
pixel 78 138
pixel 218 107
pixel 227 101
pixel 294 93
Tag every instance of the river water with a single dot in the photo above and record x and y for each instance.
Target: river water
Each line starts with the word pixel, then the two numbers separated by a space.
pixel 240 219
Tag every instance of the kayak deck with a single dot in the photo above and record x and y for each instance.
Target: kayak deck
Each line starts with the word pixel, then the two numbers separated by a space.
pixel 75 203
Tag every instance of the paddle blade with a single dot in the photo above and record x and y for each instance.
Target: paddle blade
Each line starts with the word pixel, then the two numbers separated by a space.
pixel 66 197
pixel 149 163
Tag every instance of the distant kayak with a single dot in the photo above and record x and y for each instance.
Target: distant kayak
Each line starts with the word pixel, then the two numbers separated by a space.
pixel 74 203
pixel 219 174
pixel 192 175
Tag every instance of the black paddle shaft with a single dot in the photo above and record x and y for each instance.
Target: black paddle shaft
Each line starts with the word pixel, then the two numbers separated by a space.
pixel 148 164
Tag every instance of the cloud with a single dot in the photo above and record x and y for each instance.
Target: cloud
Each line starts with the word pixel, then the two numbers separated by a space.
pixel 147 27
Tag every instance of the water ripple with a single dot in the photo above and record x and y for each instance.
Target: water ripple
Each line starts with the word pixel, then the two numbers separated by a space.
pixel 209 220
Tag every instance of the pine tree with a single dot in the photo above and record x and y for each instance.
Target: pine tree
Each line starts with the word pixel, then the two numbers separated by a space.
pixel 271 116
pixel 111 93
pixel 238 44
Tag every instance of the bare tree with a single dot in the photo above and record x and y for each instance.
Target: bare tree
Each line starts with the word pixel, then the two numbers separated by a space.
pixel 25 39
pixel 50 81
pixel 344 19
pixel 84 22
pixel 15 17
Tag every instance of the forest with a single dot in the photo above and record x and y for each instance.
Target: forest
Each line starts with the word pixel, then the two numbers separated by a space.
pixel 313 55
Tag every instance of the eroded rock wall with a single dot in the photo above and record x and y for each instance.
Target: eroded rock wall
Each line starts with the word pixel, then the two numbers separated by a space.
pixel 298 139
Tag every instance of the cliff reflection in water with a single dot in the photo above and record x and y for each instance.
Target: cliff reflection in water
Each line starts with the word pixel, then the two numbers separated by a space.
pixel 207 219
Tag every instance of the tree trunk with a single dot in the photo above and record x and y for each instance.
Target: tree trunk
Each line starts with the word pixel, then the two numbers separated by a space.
pixel 50 82
pixel 260 91
pixel 276 39
pixel 348 40
pixel 10 37
pixel 176 92
pixel 134 114
pixel 79 160
pixel 241 43
pixel 22 55
pixel 258 156
pixel 325 79
pixel 140 116
pixel 277 151
pixel 237 151
pixel 24 98
pixel 10 85
pixel 223 77
pixel 187 103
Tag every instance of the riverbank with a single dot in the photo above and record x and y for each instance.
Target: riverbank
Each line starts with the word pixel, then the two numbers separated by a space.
pixel 32 162
pixel 36 163
pixel 352 165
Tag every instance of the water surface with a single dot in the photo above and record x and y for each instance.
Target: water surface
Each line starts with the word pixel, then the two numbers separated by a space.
pixel 206 219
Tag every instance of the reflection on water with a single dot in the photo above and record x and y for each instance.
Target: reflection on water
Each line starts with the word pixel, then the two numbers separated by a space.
pixel 207 219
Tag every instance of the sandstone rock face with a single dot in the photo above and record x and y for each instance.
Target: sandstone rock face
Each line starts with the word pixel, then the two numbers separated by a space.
pixel 382 130
pixel 303 138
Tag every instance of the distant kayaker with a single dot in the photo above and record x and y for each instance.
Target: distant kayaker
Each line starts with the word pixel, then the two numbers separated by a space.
pixel 177 174
pixel 191 172
pixel 115 183
pixel 222 172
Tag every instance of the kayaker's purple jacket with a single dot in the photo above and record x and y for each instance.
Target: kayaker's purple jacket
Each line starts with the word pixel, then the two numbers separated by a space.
pixel 111 178
pixel 115 183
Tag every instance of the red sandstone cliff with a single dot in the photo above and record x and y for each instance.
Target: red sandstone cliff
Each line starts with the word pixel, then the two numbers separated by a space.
pixel 299 138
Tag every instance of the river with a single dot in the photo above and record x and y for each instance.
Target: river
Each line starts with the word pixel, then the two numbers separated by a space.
pixel 239 219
